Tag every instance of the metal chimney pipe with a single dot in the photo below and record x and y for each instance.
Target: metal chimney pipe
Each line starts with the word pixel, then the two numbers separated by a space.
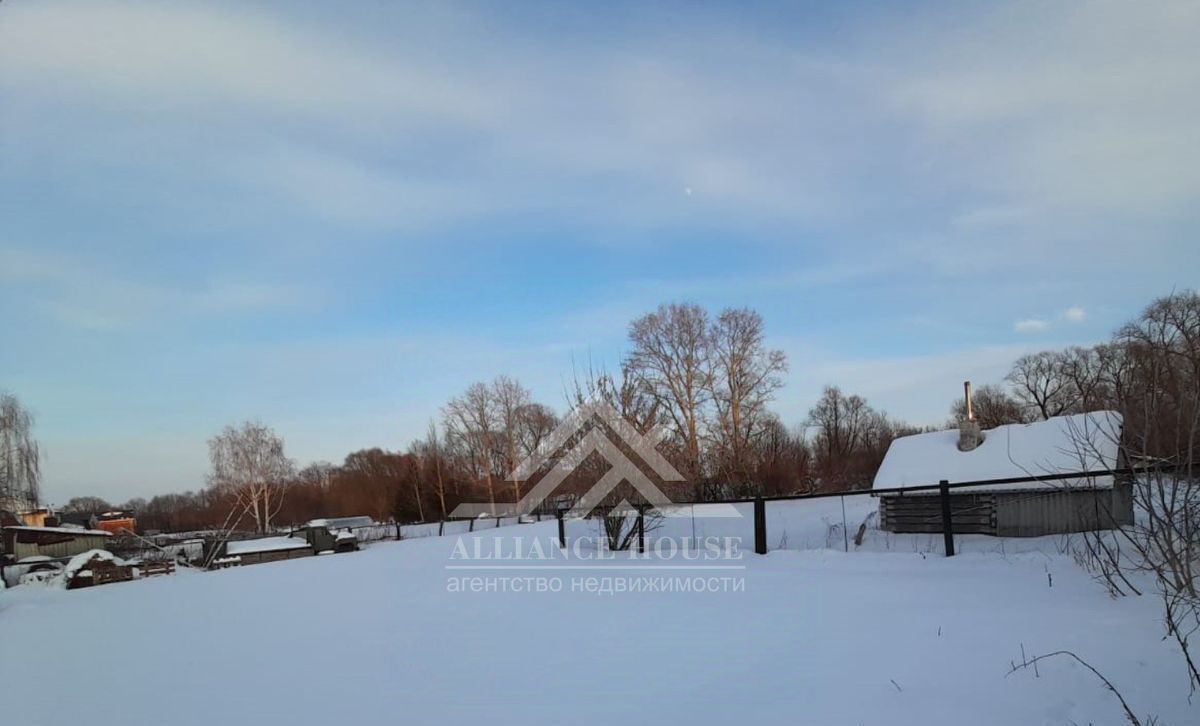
pixel 970 404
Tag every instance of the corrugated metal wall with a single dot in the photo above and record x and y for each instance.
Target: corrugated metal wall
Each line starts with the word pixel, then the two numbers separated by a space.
pixel 69 548
pixel 1033 514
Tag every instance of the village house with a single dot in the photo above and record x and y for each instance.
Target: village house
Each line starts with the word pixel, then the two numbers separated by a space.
pixel 55 542
pixel 1087 443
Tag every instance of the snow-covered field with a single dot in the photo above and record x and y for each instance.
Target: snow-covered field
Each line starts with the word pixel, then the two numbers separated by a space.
pixel 878 637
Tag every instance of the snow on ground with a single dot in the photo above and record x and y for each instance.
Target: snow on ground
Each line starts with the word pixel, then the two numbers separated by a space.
pixel 818 524
pixel 824 637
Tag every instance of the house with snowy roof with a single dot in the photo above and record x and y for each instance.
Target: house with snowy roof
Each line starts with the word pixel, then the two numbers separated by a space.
pixel 1030 466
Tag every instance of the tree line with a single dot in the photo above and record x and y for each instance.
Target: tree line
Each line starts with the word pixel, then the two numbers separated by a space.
pixel 710 380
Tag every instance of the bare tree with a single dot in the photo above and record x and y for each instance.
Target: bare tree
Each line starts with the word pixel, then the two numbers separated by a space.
pixel 433 450
pixel 86 505
pixel 1040 384
pixel 510 399
pixel 624 392
pixel 841 422
pixel 417 494
pixel 318 474
pixel 1083 370
pixel 850 439
pixel 745 377
pixel 470 423
pixel 670 361
pixel 642 412
pixel 537 422
pixel 1153 368
pixel 784 461
pixel 248 462
pixel 20 456
pixel 134 505
pixel 992 406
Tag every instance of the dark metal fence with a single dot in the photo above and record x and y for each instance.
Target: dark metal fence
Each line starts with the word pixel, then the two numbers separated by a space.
pixel 947 512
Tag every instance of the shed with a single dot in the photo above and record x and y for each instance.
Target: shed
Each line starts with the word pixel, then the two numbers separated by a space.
pixel 267 549
pixel 120 523
pixel 22 541
pixel 1083 443
pixel 36 517
pixel 323 539
pixel 333 533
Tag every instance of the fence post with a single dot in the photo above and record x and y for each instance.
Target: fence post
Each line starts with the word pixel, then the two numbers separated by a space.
pixel 641 527
pixel 471 524
pixel 845 534
pixel 760 526
pixel 562 531
pixel 441 527
pixel 397 530
pixel 498 522
pixel 947 520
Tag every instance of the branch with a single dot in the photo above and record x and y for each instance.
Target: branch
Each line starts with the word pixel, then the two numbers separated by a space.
pixel 1129 715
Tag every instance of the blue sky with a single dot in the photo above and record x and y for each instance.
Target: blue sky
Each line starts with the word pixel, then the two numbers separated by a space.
pixel 332 217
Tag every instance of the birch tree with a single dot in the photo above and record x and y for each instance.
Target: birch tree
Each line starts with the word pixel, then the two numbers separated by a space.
pixel 20 456
pixel 470 421
pixel 745 377
pixel 510 399
pixel 433 450
pixel 670 362
pixel 249 462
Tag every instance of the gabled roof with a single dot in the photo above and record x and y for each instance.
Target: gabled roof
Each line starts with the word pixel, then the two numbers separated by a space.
pixel 1083 442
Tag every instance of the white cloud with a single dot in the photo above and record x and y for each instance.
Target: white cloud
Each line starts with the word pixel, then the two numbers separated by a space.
pixel 1088 123
pixel 767 131
pixel 1074 314
pixel 86 295
pixel 227 60
pixel 1031 325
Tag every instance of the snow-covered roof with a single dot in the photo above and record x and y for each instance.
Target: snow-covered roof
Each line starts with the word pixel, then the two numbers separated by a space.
pixel 1083 442
pixel 339 522
pixel 266 544
pixel 61 530
pixel 78 565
